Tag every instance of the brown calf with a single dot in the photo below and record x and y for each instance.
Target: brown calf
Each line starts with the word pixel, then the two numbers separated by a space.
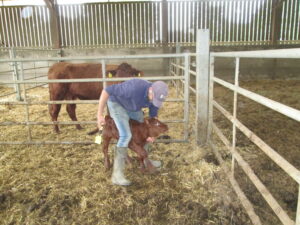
pixel 83 91
pixel 140 132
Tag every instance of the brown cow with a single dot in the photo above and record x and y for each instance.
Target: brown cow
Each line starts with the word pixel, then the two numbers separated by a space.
pixel 140 132
pixel 83 91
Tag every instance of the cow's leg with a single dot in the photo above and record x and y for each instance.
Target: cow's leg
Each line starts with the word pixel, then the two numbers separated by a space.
pixel 105 145
pixel 54 111
pixel 71 111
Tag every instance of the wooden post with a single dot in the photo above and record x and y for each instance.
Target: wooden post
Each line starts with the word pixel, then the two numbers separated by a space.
pixel 55 36
pixel 202 85
pixel 164 23
pixel 276 21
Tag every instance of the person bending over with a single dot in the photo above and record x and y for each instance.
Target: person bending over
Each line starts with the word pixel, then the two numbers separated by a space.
pixel 125 101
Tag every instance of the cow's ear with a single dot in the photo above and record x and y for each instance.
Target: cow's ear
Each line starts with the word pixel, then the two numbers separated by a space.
pixel 146 120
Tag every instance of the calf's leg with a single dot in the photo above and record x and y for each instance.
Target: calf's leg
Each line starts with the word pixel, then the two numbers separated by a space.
pixel 145 163
pixel 106 141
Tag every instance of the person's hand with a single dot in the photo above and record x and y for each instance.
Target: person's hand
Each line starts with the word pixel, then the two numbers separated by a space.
pixel 150 139
pixel 100 122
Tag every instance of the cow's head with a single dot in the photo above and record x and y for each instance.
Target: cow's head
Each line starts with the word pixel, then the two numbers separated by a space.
pixel 155 127
pixel 126 70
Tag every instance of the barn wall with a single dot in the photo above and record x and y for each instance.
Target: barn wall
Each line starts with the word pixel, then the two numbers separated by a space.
pixel 249 68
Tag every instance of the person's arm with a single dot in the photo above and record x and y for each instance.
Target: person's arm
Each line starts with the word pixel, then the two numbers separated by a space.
pixel 153 113
pixel 102 102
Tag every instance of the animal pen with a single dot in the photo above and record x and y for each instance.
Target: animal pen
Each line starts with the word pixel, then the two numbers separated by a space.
pixel 59 179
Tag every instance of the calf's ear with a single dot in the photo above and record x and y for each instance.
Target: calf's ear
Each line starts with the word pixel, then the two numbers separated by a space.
pixel 146 120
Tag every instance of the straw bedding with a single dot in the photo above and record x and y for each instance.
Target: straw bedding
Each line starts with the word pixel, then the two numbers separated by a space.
pixel 67 184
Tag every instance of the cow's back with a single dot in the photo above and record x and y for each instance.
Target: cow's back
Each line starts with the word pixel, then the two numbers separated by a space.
pixel 85 90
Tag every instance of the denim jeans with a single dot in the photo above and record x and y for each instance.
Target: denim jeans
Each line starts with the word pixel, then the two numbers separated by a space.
pixel 121 118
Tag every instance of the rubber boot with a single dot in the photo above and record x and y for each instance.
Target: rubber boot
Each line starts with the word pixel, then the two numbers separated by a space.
pixel 118 177
pixel 155 163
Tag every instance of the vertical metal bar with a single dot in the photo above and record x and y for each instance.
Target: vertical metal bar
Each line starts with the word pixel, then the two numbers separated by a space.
pixel 226 21
pixel 152 31
pixel 202 85
pixel 250 21
pixel 12 15
pixel 230 21
pixel 101 32
pixel 145 26
pixel 177 62
pixel 26 105
pixel 103 72
pixel 211 98
pixel 38 29
pixel 217 21
pixel 294 7
pixel 16 77
pixel 284 15
pixel 18 18
pixel 77 16
pixel 186 94
pixel 206 21
pixel 65 27
pixel 89 21
pixel 108 24
pixel 201 18
pixel 116 25
pixel 192 25
pixel 236 83
pixel 104 31
pixel 80 30
pixel 125 26
pixel 136 24
pixel 9 41
pixel 181 21
pixel 61 29
pixel 41 25
pixel 92 17
pixel 221 32
pixel 173 20
pixel 246 21
pixel 140 22
pixel 238 20
pixel 213 21
pixel 265 31
pixel 289 18
pixel 44 9
pixel 48 19
pixel 263 18
pixel 297 36
pixel 73 17
pixel 20 27
pixel 1 19
pixel 257 29
pixel 130 22
pixel 23 31
pixel 122 29
pixel 160 21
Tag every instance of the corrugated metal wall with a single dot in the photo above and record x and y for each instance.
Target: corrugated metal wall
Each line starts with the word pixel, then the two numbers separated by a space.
pixel 140 24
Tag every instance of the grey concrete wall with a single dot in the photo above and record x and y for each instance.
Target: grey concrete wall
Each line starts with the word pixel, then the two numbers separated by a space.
pixel 255 68
pixel 249 68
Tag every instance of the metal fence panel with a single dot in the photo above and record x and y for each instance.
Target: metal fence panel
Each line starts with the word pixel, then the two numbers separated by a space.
pixel 140 24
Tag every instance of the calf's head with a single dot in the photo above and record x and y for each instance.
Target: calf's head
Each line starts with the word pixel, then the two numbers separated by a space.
pixel 155 127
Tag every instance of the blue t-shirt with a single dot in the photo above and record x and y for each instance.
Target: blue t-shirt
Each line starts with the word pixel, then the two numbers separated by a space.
pixel 132 95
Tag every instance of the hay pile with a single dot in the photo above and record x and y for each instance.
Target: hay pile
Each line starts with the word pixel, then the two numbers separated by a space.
pixel 67 184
